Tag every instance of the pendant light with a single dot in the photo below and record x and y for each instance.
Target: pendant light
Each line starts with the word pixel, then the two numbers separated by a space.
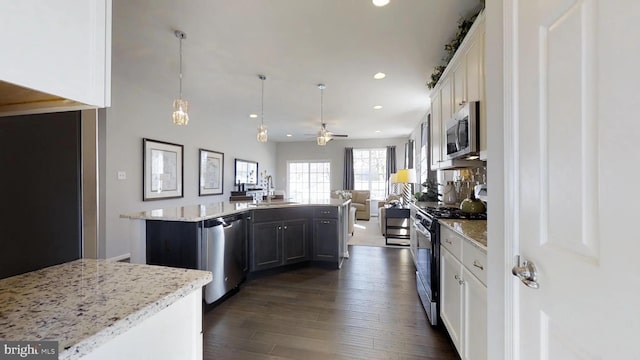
pixel 180 106
pixel 322 134
pixel 262 129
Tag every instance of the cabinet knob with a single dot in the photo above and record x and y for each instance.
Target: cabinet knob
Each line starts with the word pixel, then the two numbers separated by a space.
pixel 279 227
pixel 285 227
pixel 448 241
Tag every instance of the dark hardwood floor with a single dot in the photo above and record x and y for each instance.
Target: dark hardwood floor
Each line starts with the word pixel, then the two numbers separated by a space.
pixel 367 310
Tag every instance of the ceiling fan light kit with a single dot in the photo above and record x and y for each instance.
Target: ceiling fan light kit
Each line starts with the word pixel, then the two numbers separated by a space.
pixel 323 136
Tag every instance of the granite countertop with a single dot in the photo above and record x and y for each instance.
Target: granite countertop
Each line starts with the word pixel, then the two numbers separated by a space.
pixel 209 211
pixel 85 303
pixel 474 230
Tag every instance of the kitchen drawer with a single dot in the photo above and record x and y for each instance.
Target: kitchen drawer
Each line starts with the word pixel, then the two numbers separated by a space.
pixel 326 212
pixel 475 260
pixel 451 241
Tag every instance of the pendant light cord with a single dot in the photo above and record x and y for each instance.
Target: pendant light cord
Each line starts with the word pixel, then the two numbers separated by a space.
pixel 262 97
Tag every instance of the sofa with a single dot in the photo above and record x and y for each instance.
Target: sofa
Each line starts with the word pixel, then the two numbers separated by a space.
pixel 360 201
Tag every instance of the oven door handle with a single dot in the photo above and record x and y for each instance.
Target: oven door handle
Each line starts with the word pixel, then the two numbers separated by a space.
pixel 421 229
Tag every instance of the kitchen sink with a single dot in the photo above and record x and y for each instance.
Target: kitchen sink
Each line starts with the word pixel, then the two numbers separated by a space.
pixel 273 203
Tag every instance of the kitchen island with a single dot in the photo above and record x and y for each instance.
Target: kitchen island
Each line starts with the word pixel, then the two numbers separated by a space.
pixel 100 309
pixel 322 230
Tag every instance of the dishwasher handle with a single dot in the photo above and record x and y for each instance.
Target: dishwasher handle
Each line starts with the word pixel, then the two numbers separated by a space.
pixel 213 223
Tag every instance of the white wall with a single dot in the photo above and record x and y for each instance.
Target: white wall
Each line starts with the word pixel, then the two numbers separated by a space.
pixel 333 151
pixel 141 111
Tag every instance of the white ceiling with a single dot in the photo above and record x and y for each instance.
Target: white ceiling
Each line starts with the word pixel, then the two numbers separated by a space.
pixel 296 44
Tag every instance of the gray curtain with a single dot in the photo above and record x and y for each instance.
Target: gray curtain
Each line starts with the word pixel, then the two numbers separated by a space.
pixel 391 161
pixel 348 181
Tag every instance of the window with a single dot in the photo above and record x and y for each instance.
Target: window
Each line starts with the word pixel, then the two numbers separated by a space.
pixel 309 181
pixel 370 171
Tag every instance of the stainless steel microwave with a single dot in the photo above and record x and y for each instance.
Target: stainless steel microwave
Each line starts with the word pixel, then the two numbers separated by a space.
pixel 463 132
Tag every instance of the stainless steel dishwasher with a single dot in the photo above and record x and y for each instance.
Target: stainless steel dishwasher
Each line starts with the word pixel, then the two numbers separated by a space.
pixel 223 253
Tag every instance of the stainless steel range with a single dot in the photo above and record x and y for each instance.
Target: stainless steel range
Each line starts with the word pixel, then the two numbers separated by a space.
pixel 425 248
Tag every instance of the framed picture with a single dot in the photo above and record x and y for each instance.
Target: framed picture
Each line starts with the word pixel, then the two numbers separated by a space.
pixel 246 172
pixel 211 172
pixel 163 170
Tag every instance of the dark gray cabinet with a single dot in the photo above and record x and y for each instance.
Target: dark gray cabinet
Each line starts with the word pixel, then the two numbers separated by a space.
pixel 266 245
pixel 325 239
pixel 325 234
pixel 295 242
pixel 277 243
pixel 172 243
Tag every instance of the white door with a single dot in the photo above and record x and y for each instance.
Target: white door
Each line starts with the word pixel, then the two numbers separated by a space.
pixel 575 152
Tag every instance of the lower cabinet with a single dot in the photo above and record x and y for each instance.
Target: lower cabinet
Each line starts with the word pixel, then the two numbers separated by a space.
pixel 463 306
pixel 325 239
pixel 277 243
pixel 451 296
pixel 172 243
pixel 475 317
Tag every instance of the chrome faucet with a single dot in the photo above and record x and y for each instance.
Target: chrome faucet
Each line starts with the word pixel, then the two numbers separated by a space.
pixel 269 185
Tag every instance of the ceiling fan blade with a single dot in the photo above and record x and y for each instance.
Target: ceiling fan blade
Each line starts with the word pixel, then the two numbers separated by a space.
pixel 339 135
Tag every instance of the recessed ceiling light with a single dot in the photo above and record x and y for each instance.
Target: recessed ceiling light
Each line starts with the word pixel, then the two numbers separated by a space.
pixel 289 135
pixel 379 76
pixel 380 2
pixel 377 131
pixel 377 107
pixel 253 116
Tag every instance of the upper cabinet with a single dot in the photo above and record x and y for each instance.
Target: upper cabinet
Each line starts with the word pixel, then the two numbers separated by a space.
pixel 462 81
pixel 55 51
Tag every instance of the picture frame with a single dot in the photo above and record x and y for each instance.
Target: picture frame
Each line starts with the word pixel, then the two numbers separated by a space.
pixel 246 172
pixel 163 174
pixel 211 174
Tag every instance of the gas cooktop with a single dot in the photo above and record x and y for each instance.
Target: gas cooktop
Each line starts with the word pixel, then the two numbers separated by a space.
pixel 451 213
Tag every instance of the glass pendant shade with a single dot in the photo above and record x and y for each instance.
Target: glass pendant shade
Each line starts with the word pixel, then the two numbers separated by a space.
pixel 262 133
pixel 180 106
pixel 180 112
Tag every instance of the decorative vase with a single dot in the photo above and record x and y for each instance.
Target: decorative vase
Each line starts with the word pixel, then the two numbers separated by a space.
pixel 450 196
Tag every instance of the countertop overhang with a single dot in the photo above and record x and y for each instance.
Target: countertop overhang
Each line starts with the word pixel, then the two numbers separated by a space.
pixel 194 213
pixel 85 303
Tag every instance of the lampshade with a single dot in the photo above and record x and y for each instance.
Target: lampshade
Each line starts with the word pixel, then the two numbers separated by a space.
pixel 180 106
pixel 406 176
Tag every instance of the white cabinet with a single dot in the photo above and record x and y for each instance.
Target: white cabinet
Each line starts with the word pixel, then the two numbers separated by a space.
pixel 451 296
pixel 173 333
pixel 436 131
pixel 62 48
pixel 474 313
pixel 462 81
pixel 460 90
pixel 463 295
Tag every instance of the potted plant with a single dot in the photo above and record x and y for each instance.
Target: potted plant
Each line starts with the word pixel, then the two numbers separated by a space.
pixel 429 192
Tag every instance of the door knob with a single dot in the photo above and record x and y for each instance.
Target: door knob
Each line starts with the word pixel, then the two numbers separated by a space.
pixel 526 272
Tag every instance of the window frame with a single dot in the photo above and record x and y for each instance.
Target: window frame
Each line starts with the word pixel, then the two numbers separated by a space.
pixel 326 197
pixel 381 193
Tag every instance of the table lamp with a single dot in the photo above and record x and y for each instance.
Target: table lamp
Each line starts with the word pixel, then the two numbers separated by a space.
pixel 406 177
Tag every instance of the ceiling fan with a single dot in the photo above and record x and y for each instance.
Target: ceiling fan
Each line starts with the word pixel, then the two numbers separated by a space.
pixel 324 135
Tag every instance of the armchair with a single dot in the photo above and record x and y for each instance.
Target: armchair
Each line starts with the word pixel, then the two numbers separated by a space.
pixel 360 201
